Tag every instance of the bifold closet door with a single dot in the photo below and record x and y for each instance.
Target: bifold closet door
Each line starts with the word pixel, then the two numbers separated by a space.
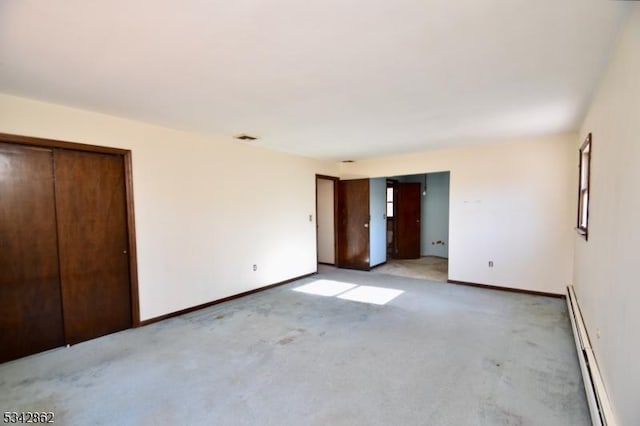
pixel 30 307
pixel 92 240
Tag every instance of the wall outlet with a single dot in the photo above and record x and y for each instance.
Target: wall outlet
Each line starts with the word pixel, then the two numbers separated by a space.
pixel 491 264
pixel 310 218
pixel 255 267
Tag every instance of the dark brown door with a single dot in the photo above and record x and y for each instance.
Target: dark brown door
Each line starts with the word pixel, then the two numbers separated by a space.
pixel 92 233
pixel 353 224
pixel 30 310
pixel 407 220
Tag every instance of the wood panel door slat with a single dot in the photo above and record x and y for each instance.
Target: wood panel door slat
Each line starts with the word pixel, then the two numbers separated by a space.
pixel 30 308
pixel 93 241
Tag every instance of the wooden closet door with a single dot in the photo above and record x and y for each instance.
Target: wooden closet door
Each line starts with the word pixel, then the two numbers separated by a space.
pixel 407 214
pixel 92 230
pixel 353 224
pixel 30 308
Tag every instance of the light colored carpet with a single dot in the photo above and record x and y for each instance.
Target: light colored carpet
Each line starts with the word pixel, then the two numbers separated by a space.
pixel 435 354
pixel 427 267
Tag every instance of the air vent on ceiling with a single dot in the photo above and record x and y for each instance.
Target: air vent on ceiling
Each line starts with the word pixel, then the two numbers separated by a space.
pixel 245 137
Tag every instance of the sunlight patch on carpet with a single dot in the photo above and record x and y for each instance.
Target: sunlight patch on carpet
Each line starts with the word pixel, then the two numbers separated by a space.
pixel 325 288
pixel 349 291
pixel 368 294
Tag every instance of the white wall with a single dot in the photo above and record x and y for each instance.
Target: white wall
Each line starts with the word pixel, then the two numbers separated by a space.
pixel 607 266
pixel 205 210
pixel 511 202
pixel 378 222
pixel 326 222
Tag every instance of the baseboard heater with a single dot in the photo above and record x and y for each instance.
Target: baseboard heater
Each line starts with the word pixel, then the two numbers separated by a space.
pixel 601 413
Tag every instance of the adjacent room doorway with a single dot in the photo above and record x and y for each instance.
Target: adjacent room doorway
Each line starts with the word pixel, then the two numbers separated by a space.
pixel 418 226
pixel 326 208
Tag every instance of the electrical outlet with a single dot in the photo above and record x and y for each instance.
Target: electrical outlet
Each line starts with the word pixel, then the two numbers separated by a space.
pixel 255 267
pixel 597 333
pixel 491 264
pixel 310 218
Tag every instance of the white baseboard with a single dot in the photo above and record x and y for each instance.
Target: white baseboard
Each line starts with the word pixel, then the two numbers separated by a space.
pixel 599 406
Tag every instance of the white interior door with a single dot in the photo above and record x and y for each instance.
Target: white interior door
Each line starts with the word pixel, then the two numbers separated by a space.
pixel 325 221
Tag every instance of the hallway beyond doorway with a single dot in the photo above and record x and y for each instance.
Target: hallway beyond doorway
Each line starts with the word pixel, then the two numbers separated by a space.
pixel 431 268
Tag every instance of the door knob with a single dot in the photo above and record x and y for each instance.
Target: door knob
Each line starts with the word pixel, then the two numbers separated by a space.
pixel 124 251
pixel 366 225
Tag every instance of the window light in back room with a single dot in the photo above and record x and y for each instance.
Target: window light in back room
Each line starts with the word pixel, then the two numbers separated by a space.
pixel 583 189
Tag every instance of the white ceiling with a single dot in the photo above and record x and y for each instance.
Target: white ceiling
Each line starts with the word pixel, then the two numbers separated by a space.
pixel 332 79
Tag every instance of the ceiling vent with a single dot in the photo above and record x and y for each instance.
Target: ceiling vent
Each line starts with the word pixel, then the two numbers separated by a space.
pixel 245 137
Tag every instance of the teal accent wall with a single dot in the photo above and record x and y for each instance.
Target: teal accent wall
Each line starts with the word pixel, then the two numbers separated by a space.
pixel 378 222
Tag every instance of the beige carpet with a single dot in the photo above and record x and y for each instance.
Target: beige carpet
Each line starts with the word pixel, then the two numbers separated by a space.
pixel 427 267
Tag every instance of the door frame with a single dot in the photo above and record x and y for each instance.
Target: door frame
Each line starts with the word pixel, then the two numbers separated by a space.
pixel 128 187
pixel 391 252
pixel 335 217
